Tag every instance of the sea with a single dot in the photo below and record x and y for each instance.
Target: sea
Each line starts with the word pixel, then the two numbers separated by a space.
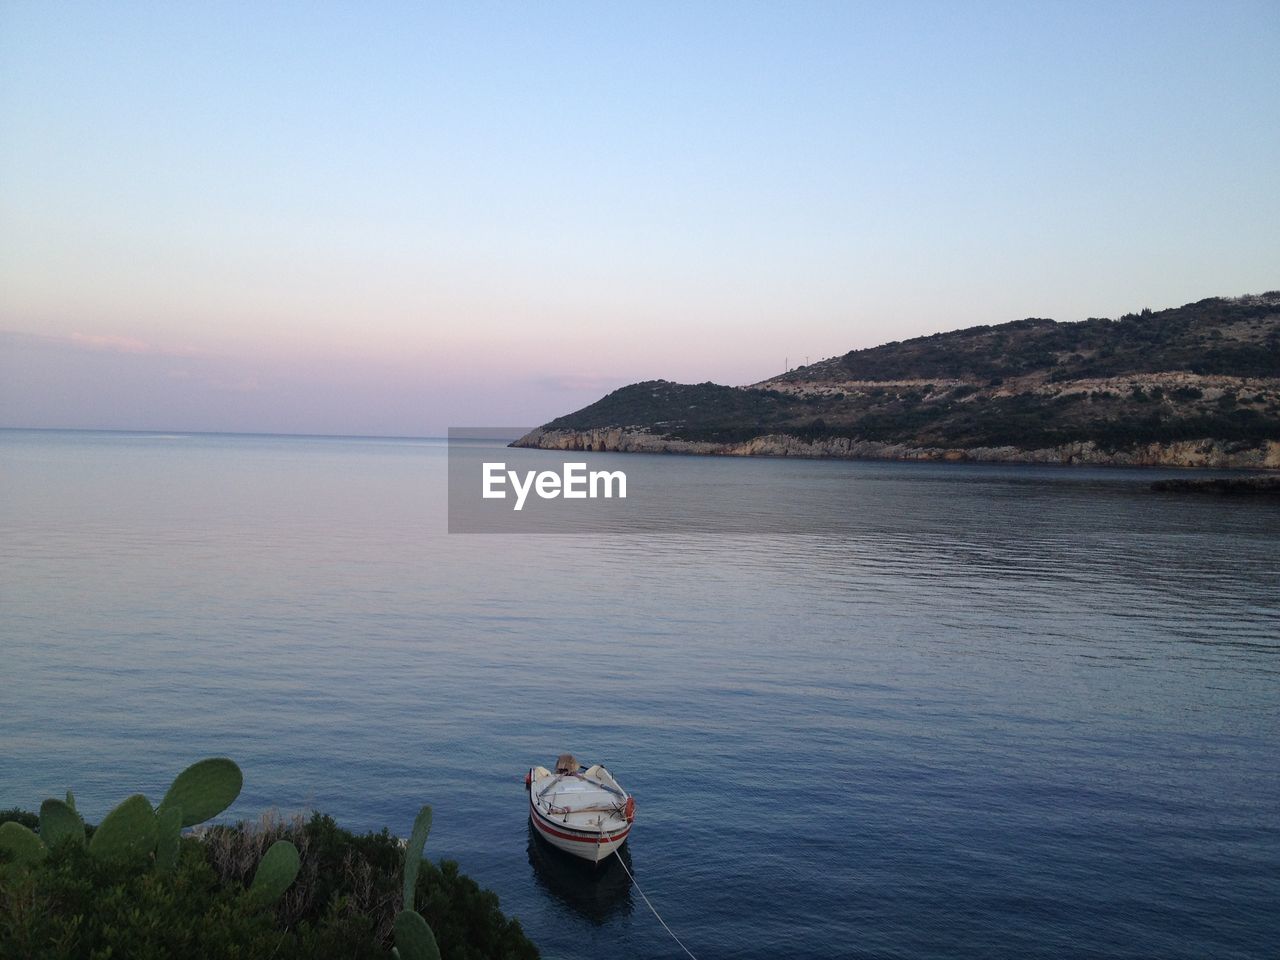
pixel 958 711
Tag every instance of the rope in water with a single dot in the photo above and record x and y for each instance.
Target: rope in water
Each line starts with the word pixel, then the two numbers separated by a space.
pixel 655 911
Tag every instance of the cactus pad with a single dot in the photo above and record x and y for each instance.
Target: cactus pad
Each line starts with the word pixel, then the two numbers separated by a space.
pixel 128 832
pixel 277 870
pixel 58 821
pixel 204 789
pixel 20 845
pixel 413 854
pixel 168 837
pixel 414 938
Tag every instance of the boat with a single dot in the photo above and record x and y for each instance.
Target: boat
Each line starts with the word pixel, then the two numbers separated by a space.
pixel 582 811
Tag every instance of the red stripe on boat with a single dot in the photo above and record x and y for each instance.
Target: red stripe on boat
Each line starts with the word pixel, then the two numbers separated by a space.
pixel 600 838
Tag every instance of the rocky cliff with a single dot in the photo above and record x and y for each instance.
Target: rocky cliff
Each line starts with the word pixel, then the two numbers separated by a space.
pixel 1195 386
pixel 1182 453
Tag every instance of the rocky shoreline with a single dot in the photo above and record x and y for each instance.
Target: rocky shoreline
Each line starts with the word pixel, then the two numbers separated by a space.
pixel 1209 454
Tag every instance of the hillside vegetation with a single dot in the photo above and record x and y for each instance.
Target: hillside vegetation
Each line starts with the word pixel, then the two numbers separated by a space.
pixel 1206 372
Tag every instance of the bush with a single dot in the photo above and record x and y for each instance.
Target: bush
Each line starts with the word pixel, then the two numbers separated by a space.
pixel 347 892
pixel 364 872
pixel 76 905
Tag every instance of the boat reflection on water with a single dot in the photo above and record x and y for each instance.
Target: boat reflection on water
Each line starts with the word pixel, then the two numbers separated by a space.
pixel 595 892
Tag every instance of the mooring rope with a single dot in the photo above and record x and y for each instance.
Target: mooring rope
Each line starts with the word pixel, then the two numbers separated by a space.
pixel 655 911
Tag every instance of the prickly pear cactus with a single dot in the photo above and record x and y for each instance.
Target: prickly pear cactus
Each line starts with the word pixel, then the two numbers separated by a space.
pixel 135 831
pixel 204 790
pixel 414 939
pixel 19 846
pixel 168 837
pixel 277 870
pixel 58 821
pixel 126 833
pixel 413 854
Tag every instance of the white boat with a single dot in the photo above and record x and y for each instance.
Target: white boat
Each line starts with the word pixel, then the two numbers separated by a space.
pixel 584 812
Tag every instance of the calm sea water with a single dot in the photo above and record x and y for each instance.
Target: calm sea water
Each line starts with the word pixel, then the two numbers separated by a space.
pixel 996 712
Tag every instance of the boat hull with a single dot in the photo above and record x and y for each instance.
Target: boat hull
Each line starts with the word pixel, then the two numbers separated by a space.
pixel 592 847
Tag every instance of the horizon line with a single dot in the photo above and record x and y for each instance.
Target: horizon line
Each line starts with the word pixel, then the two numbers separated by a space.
pixel 253 433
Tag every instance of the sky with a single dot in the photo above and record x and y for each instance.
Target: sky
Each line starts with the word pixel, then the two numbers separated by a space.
pixel 391 219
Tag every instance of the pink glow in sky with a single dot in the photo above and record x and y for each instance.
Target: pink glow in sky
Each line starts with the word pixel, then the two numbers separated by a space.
pixel 308 219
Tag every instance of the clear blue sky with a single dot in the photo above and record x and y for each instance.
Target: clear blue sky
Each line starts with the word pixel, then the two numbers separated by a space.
pixel 393 218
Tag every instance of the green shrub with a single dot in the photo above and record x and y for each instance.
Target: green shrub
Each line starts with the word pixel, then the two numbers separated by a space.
pixel 74 905
pixel 342 904
pixel 365 871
